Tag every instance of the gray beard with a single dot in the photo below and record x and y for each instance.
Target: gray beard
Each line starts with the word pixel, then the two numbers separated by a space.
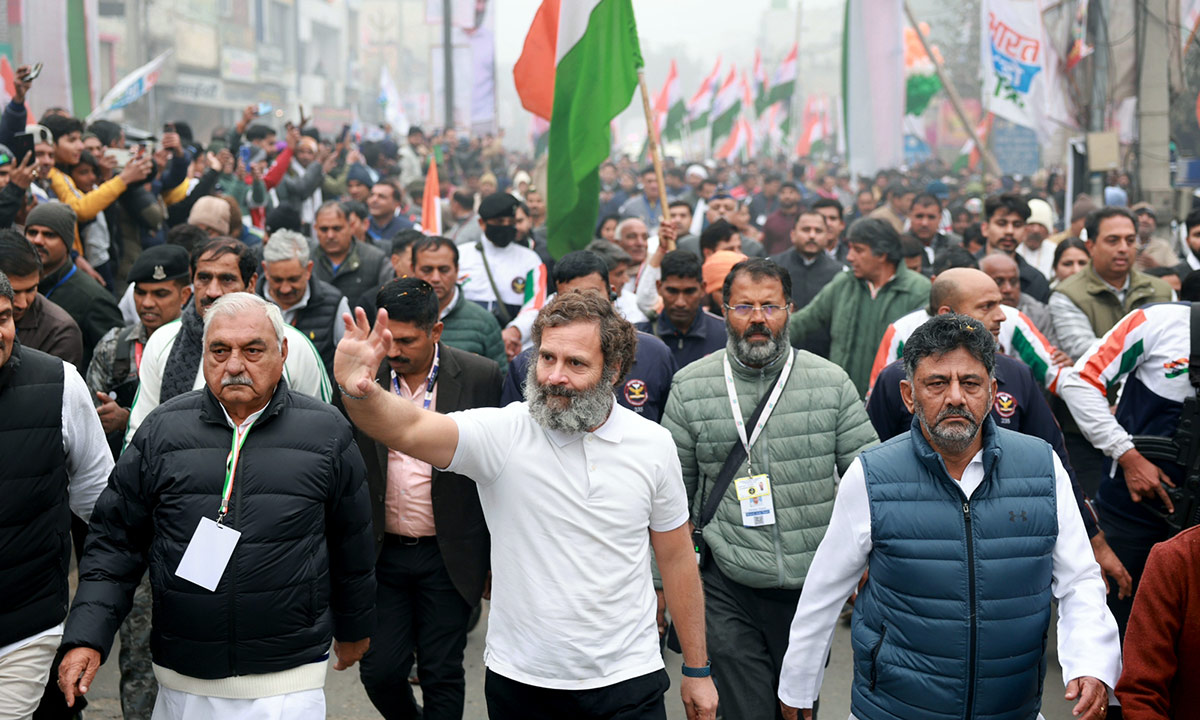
pixel 757 354
pixel 949 439
pixel 586 409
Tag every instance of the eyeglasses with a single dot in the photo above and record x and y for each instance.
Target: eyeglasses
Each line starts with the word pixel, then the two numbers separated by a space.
pixel 745 311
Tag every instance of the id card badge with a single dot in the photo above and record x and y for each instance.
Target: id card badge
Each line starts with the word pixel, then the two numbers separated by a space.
pixel 208 554
pixel 758 507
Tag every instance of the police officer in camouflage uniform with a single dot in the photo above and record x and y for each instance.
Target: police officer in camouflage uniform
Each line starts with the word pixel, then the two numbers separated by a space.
pixel 160 279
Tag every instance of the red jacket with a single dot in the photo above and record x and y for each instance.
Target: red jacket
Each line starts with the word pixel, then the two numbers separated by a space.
pixel 1162 642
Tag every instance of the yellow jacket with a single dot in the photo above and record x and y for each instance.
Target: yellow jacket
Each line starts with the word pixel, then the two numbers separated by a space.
pixel 86 205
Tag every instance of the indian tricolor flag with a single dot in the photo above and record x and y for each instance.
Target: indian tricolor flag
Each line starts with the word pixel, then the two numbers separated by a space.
pixel 431 202
pixel 740 142
pixel 816 126
pixel 784 83
pixel 668 103
pixel 701 103
pixel 726 108
pixel 578 69
pixel 968 157
pixel 65 35
pixel 761 101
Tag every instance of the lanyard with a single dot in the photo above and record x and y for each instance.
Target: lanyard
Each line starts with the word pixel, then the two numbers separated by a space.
pixel 433 373
pixel 58 284
pixel 736 408
pixel 231 465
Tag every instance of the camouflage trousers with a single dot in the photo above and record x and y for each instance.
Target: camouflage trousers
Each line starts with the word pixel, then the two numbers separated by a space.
pixel 139 689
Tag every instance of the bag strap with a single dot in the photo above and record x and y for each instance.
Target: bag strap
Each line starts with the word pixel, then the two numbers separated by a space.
pixel 492 281
pixel 733 461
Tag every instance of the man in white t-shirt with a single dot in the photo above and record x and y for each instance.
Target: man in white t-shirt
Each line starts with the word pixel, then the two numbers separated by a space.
pixel 576 490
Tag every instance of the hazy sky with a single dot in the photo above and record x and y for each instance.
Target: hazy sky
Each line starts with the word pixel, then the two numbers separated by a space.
pixel 716 24
pixel 706 27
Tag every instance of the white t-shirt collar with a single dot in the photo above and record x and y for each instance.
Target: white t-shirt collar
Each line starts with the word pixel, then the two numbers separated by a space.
pixel 611 431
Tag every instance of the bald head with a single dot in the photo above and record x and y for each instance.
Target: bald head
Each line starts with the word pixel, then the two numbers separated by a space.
pixel 997 262
pixel 967 291
pixel 1003 270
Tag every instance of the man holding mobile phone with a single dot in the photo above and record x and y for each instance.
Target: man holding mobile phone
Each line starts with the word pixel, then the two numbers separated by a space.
pixel 15 114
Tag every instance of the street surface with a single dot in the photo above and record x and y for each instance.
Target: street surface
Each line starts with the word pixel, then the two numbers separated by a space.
pixel 346 699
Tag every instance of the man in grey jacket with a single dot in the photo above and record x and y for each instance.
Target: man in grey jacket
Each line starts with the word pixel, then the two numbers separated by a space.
pixel 773 510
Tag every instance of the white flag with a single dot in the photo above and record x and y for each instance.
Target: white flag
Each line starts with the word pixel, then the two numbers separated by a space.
pixel 1021 81
pixel 393 111
pixel 131 87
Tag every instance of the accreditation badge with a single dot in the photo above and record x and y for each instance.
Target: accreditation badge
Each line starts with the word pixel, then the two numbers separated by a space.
pixel 758 507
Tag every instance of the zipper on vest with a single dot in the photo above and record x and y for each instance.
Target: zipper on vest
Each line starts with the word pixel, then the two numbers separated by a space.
pixel 971 649
pixel 237 511
pixel 875 655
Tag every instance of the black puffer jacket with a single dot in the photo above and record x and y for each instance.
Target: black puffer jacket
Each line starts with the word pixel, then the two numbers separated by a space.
pixel 302 571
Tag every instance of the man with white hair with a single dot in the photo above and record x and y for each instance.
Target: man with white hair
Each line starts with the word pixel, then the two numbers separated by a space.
pixel 247 501
pixel 312 306
pixel 172 359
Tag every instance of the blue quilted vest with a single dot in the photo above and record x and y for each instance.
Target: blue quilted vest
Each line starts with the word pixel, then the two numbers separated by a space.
pixel 952 623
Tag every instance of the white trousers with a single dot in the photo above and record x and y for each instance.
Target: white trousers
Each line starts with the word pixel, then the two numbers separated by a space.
pixel 178 705
pixel 23 675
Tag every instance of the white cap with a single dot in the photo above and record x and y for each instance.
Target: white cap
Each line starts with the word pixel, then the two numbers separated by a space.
pixel 1040 214
pixel 697 171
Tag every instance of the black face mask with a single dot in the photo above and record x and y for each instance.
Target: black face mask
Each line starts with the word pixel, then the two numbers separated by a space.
pixel 501 235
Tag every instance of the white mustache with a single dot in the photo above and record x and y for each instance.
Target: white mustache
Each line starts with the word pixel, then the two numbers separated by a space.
pixel 237 380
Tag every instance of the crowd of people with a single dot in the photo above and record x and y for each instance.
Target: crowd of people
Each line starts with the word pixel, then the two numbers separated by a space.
pixel 271 413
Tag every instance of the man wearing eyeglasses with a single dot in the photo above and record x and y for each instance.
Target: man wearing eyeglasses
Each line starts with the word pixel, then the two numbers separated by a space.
pixel 790 423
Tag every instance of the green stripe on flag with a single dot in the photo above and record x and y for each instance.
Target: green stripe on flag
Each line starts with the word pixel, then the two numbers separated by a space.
pixel 77 51
pixel 594 82
pixel 1028 354
pixel 1129 360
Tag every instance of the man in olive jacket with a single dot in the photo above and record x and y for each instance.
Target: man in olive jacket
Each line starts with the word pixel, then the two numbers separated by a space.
pixel 855 308
pixel 757 550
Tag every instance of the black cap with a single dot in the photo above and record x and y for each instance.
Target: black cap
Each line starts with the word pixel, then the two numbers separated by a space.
pixel 498 205
pixel 159 263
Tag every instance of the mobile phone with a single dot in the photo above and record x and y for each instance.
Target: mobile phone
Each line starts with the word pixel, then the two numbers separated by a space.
pixel 264 108
pixel 141 151
pixel 122 156
pixel 169 127
pixel 33 73
pixel 22 145
pixel 244 151
pixel 344 134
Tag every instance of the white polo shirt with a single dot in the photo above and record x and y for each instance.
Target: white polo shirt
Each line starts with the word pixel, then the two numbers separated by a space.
pixel 573 604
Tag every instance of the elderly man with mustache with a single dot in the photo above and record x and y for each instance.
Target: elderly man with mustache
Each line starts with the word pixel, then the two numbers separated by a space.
pixel 171 360
pixel 248 504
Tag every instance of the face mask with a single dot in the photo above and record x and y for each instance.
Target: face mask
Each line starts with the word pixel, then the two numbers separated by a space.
pixel 501 235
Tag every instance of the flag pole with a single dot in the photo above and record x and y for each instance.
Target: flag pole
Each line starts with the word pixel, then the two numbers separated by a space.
pixel 652 143
pixel 989 160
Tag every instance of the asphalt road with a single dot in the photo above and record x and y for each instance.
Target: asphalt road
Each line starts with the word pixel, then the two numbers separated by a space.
pixel 346 699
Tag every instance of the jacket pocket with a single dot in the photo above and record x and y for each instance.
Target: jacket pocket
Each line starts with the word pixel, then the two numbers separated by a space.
pixel 875 655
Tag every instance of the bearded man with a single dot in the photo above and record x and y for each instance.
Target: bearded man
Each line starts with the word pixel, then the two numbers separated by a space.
pixel 763 433
pixel 575 490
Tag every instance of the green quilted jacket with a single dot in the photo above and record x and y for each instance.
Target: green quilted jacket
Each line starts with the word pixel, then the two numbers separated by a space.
pixel 817 429
pixel 856 321
pixel 470 328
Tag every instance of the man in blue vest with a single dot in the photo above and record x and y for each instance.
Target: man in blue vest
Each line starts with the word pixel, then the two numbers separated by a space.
pixel 968 531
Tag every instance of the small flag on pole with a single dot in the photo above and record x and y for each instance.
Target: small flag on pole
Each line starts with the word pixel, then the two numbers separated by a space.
pixel 431 203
